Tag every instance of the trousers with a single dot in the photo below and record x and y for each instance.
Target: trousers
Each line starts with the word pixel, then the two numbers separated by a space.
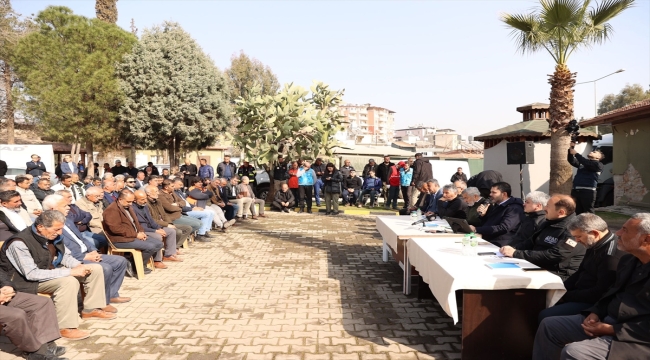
pixel 276 204
pixel 373 196
pixel 64 294
pixel 219 218
pixel 585 200
pixel 350 197
pixel 562 337
pixel 149 247
pixel 318 185
pixel 393 195
pixel 114 268
pixel 565 309
pixel 205 217
pixel 98 239
pixel 195 224
pixel 169 242
pixel 331 201
pixel 415 193
pixel 29 321
pixel 242 205
pixel 406 195
pixel 260 203
pixel 305 196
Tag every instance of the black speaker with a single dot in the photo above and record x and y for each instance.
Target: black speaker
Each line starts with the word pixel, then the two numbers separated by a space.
pixel 522 152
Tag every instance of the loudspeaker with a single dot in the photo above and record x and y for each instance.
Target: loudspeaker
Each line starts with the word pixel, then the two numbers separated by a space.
pixel 522 152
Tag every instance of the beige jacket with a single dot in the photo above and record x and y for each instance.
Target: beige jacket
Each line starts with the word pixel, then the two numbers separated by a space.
pixel 29 199
pixel 96 210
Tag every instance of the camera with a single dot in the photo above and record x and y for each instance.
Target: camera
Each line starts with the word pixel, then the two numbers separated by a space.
pixel 573 128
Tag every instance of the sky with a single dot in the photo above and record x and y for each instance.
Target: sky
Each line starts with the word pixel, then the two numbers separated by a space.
pixel 449 64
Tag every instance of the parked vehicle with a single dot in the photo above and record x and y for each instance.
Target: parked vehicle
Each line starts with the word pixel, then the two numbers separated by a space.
pixel 17 156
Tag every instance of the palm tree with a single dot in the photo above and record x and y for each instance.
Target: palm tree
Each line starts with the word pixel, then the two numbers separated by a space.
pixel 560 27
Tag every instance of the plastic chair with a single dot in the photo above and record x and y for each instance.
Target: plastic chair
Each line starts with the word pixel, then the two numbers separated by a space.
pixel 137 257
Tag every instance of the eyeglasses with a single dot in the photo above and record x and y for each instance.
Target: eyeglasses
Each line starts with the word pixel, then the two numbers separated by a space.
pixel 130 182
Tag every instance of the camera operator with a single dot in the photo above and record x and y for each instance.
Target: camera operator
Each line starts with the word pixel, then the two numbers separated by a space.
pixel 586 179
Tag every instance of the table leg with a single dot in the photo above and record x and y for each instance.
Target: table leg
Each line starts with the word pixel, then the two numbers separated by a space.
pixel 407 272
pixel 384 251
pixel 500 324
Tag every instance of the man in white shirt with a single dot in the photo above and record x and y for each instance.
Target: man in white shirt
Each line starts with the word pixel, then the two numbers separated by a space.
pixel 13 218
pixel 65 184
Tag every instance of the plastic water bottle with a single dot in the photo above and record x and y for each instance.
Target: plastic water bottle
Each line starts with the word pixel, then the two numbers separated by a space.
pixel 473 243
pixel 414 216
pixel 465 247
pixel 419 213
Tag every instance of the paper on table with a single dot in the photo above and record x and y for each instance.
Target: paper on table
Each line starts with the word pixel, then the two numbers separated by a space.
pixel 500 254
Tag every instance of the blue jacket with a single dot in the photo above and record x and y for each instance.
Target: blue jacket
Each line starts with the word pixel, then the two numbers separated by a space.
pixel 144 218
pixel 433 202
pixel 206 172
pixel 501 223
pixel 405 177
pixel 588 171
pixel 72 245
pixel 372 183
pixel 69 168
pixel 306 178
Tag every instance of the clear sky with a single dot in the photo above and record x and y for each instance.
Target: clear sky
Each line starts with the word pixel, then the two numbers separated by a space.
pixel 448 64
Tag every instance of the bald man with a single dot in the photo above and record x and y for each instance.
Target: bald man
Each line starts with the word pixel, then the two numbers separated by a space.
pixel 551 247
pixel 152 217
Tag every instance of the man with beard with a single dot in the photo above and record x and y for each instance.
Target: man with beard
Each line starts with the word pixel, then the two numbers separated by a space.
pixel 500 219
pixel 13 217
pixel 473 198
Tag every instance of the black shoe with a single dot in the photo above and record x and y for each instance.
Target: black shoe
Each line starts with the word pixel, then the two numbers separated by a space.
pixel 207 236
pixel 301 210
pixel 129 270
pixel 202 238
pixel 147 271
pixel 309 211
pixel 52 349
pixel 35 356
pixel 285 210
pixel 327 212
pixel 335 212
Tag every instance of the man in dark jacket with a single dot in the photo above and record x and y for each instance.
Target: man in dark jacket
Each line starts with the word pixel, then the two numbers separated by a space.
pixel 3 168
pixel 29 321
pixel 422 172
pixel 450 204
pixel 280 174
pixel 189 171
pixel 35 167
pixel 383 173
pixel 586 179
pixel 319 169
pixel 370 166
pixel 551 247
pixel 484 180
pixel 284 199
pixel 618 325
pixel 42 189
pixel 119 169
pixel 351 188
pixel 597 271
pixel 473 199
pixel 226 169
pixel 501 217
pixel 459 175
pixel 534 205
pixel 156 223
pixel 346 168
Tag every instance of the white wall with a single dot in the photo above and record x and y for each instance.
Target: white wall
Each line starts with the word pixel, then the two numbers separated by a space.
pixel 536 175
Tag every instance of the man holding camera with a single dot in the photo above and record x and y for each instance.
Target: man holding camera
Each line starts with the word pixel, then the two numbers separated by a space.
pixel 586 179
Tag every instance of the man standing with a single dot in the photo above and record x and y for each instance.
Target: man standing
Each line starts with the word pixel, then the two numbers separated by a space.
pixel 345 169
pixel 370 166
pixel 586 179
pixel 38 262
pixel 35 167
pixel 205 171
pixel 118 169
pixel 68 166
pixel 131 169
pixel 422 172
pixel 125 232
pixel 351 188
pixel 247 170
pixel 459 175
pixel 284 200
pixel 501 217
pixel 226 169
pixel 306 180
pixel 280 174
pixel 319 170
pixel 617 326
pixel 113 266
pixel 406 179
pixel 189 170
pixel 597 271
pixel 551 247
pixel 383 173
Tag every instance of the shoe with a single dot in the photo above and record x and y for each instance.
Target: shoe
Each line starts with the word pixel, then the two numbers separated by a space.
pixel 327 213
pixel 147 271
pixel 285 210
pixel 109 309
pixel 159 265
pixel 262 215
pixel 309 211
pixel 172 258
pixel 395 208
pixel 74 334
pixel 202 238
pixel 302 210
pixel 335 212
pixel 359 205
pixel 254 218
pixel 52 349
pixel 120 300
pixel 35 356
pixel 99 314
pixel 244 219
pixel 129 269
pixel 206 235
pixel 229 223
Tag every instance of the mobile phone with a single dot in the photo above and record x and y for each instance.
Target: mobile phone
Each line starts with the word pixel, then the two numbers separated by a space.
pixel 486 253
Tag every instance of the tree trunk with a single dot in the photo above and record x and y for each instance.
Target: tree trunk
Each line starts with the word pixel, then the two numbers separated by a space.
pixel 90 165
pixel 9 107
pixel 271 193
pixel 561 112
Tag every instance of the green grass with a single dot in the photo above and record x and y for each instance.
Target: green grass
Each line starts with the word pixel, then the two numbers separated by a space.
pixel 613 219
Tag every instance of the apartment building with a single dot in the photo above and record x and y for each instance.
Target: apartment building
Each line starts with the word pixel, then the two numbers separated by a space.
pixel 367 124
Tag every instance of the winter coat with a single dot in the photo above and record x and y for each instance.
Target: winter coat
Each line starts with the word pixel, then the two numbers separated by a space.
pixel 501 222
pixel 423 171
pixel 588 171
pixel 333 185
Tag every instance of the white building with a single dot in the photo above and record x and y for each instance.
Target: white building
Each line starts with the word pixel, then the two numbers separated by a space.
pixel 366 124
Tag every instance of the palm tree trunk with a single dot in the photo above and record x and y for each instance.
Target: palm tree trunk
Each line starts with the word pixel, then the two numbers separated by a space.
pixel 9 103
pixel 561 112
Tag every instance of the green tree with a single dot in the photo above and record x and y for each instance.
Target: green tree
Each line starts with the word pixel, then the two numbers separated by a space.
pixel 245 72
pixel 12 29
pixel 628 95
pixel 175 97
pixel 291 123
pixel 68 69
pixel 106 10
pixel 560 27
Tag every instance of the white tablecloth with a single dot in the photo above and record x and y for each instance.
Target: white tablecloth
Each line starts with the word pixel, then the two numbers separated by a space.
pixel 442 266
pixel 392 227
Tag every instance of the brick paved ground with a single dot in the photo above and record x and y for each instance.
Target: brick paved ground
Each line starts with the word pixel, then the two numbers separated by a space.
pixel 292 286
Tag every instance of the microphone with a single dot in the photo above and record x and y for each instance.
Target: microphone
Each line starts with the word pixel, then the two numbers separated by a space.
pixel 421 221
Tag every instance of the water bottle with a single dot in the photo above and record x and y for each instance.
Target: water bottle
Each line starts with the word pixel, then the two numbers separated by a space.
pixel 465 247
pixel 473 243
pixel 414 216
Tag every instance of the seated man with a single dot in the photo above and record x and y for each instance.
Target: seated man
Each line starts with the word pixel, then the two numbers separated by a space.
pixel 597 271
pixel 124 230
pixel 247 191
pixel 65 184
pixel 617 326
pixel 156 222
pixel 93 204
pixel 114 267
pixel 130 183
pixel 351 188
pixel 29 321
pixel 7 184
pixel 473 198
pixel 81 219
pixel 551 247
pixel 284 200
pixel 236 202
pixel 204 217
pixel 173 206
pixel 371 186
pixel 534 205
pixel 450 204
pixel 220 204
pixel 435 194
pixel 108 185
pixel 37 261
pixel 13 218
pixel 42 189
pixel 202 197
pixel 78 187
pixel 500 222
pixel 27 196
